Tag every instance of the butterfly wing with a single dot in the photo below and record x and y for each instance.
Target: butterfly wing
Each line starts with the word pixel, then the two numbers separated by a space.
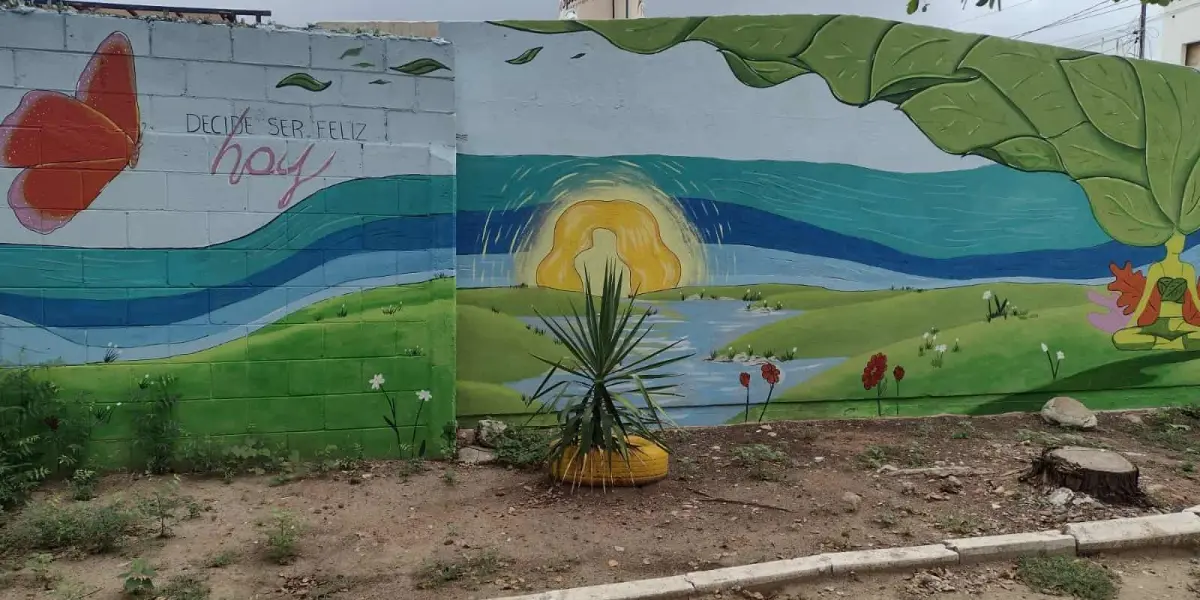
pixel 109 85
pixel 46 197
pixel 53 128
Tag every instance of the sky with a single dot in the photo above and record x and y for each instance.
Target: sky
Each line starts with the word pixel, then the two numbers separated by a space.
pixel 1097 25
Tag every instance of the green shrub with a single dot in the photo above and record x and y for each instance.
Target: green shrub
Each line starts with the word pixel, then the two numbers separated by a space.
pixel 83 484
pixel 184 587
pixel 40 433
pixel 138 579
pixel 283 533
pixel 158 429
pixel 92 528
pixel 524 447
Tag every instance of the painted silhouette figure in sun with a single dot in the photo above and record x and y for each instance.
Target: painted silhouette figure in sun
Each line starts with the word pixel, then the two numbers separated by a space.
pixel 1164 303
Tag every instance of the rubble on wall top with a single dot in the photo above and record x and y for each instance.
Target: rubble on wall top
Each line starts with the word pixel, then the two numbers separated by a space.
pixel 21 7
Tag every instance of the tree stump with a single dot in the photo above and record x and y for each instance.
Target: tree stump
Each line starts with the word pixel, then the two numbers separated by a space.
pixel 1101 474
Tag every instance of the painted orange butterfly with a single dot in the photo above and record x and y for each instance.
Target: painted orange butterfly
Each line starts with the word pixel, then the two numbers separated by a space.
pixel 72 147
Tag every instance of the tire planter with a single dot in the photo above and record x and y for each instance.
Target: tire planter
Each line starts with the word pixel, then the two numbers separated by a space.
pixel 647 464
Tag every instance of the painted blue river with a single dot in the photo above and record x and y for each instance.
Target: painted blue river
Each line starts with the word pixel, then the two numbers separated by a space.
pixel 709 390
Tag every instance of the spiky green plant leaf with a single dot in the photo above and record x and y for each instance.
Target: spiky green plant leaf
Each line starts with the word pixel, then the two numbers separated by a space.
pixel 607 364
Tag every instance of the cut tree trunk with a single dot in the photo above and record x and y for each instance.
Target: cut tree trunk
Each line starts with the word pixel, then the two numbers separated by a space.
pixel 1101 474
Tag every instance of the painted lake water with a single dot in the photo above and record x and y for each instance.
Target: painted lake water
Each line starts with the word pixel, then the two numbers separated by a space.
pixel 709 390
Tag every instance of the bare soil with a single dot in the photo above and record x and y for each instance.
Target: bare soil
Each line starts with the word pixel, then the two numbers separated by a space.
pixel 490 531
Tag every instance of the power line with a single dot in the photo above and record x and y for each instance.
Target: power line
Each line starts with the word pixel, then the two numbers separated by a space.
pixel 990 13
pixel 1082 15
pixel 1075 39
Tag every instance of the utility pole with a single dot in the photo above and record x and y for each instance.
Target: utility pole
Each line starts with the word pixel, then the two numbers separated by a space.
pixel 1142 32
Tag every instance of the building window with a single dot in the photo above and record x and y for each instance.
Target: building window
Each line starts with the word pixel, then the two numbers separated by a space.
pixel 1191 54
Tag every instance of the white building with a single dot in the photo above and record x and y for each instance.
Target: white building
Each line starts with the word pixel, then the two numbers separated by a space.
pixel 1180 27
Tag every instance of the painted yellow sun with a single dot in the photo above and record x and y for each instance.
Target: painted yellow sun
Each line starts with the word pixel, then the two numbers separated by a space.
pixel 620 217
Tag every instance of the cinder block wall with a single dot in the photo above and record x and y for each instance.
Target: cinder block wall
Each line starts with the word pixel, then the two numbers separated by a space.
pixel 274 232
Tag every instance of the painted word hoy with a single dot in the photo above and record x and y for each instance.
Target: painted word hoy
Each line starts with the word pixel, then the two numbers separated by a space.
pixel 264 161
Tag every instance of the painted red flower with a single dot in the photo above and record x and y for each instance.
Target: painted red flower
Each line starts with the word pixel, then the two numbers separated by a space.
pixel 744 379
pixel 52 422
pixel 770 373
pixel 898 373
pixel 875 371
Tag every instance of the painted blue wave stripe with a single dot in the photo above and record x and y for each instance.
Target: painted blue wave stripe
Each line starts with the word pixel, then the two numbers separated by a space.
pixel 66 272
pixel 753 227
pixel 430 232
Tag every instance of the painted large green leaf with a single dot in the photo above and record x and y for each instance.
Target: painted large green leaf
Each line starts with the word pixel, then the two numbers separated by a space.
pixel 761 73
pixel 1031 107
pixel 1173 135
pixel 909 53
pixel 1027 153
pixel 1030 77
pixel 1088 153
pixel 964 116
pixel 842 51
pixel 1127 212
pixel 755 38
pixel 1111 97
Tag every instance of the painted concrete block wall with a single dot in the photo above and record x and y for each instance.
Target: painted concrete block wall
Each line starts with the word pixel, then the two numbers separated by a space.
pixel 265 216
pixel 840 216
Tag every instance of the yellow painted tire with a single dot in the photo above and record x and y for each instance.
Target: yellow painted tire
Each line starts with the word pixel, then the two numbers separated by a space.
pixel 647 464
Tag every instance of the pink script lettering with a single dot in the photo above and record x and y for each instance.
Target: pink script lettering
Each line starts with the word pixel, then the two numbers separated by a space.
pixel 263 161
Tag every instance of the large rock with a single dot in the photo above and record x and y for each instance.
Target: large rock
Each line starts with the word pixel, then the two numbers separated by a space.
pixel 1068 412
pixel 488 431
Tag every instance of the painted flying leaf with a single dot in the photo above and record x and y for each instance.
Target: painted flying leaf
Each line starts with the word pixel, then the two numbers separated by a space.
pixel 1173 136
pixel 420 66
pixel 841 52
pixel 1108 90
pixel 1127 211
pixel 364 65
pixel 754 38
pixel 761 73
pixel 525 56
pixel 305 81
pixel 912 57
pixel 964 116
pixel 1027 154
pixel 380 82
pixel 1088 153
pixel 351 52
pixel 1029 77
pixel 580 55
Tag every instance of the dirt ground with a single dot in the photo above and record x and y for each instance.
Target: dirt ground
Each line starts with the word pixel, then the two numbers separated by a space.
pixel 737 495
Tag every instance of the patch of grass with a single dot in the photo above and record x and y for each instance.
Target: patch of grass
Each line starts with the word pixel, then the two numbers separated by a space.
pixel 763 462
pixel 412 466
pixel 495 348
pixel 1064 576
pixel 450 478
pixel 438 573
pixel 184 587
pixel 874 457
pixel 90 528
pixel 1171 428
pixel 959 525
pixel 686 469
pixel 222 559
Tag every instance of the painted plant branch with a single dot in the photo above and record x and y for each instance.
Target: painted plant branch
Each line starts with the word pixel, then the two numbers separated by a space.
pixel 1027 106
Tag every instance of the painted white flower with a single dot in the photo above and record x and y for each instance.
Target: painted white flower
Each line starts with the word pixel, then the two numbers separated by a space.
pixel 1060 355
pixel 118 404
pixel 987 295
pixel 941 348
pixel 925 335
pixel 424 395
pixel 793 349
pixel 1045 348
pixel 377 381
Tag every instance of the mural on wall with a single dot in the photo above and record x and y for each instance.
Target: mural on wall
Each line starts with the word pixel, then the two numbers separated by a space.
pixel 285 300
pixel 1062 267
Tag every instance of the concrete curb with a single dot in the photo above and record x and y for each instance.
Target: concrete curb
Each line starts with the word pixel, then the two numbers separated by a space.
pixel 1075 538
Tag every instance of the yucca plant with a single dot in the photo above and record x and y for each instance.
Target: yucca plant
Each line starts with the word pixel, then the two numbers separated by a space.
pixel 604 370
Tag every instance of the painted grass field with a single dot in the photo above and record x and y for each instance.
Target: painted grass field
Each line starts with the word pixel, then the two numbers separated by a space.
pixel 988 367
pixel 306 373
